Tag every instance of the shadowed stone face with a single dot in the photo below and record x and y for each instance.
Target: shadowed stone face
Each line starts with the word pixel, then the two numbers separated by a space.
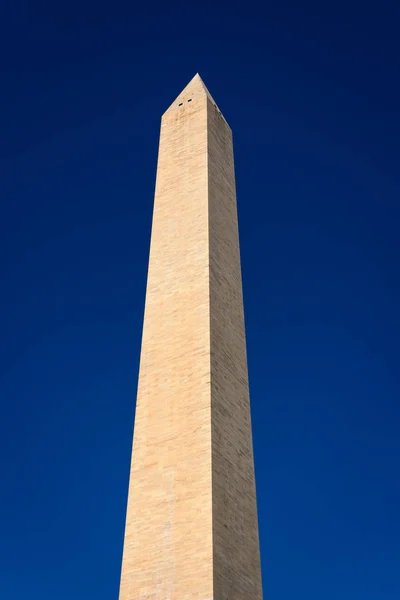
pixel 191 526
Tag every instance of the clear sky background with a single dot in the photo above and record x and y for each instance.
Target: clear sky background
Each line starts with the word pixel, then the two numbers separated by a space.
pixel 311 91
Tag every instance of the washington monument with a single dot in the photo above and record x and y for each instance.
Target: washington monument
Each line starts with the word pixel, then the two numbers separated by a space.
pixel 191 525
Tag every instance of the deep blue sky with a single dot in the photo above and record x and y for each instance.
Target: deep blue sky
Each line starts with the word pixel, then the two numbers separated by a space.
pixel 312 94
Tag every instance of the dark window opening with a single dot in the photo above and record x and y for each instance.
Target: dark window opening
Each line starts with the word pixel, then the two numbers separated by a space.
pixel 180 104
pixel 190 100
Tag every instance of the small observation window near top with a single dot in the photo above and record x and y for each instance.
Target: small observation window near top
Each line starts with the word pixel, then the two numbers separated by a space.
pixel 190 100
pixel 180 104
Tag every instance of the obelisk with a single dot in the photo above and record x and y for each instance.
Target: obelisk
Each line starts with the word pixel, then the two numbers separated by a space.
pixel 191 526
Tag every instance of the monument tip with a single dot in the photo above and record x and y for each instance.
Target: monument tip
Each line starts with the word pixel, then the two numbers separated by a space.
pixel 195 87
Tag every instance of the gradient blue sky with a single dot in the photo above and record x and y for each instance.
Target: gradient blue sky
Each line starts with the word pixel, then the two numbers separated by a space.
pixel 312 94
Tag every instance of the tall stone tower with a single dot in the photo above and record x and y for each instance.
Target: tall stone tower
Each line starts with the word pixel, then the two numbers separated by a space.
pixel 191 526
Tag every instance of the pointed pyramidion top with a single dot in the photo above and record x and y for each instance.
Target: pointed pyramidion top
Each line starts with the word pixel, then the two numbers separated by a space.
pixel 194 89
